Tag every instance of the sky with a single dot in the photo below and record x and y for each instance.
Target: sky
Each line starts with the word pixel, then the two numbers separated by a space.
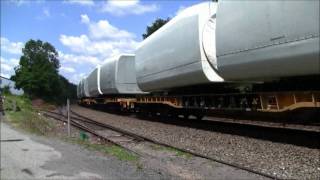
pixel 86 33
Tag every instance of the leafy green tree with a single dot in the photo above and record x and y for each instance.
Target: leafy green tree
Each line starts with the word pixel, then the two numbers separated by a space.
pixel 5 90
pixel 69 90
pixel 37 72
pixel 158 23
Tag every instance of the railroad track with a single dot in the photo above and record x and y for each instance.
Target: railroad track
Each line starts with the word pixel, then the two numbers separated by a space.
pixel 296 134
pixel 265 124
pixel 80 124
pixel 130 137
pixel 262 124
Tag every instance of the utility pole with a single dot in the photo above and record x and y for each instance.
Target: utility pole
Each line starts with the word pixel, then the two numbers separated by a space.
pixel 68 114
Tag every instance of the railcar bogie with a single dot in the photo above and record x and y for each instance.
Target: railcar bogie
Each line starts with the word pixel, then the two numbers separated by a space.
pixel 201 105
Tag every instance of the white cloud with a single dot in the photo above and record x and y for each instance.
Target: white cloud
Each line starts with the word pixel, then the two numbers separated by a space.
pixel 75 43
pixel 75 78
pixel 85 18
pixel 5 67
pixel 124 7
pixel 104 40
pixel 103 29
pixel 74 66
pixel 19 2
pixel 81 2
pixel 12 62
pixel 102 43
pixel 11 47
pixel 67 69
pixel 82 44
pixel 46 12
pixel 78 59
pixel 5 75
pixel 22 2
pixel 123 3
pixel 44 15
pixel 8 65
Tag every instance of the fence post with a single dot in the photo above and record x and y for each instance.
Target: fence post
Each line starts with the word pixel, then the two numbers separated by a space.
pixel 68 114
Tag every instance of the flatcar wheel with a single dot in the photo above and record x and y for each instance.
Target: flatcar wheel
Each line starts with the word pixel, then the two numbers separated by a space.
pixel 199 117
pixel 174 115
pixel 164 115
pixel 143 113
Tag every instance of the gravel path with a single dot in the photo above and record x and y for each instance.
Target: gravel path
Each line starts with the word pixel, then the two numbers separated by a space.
pixel 278 159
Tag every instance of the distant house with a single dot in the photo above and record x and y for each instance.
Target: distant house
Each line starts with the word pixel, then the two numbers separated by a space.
pixel 7 82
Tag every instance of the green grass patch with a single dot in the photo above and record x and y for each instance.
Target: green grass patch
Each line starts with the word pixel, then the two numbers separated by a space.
pixel 21 102
pixel 139 166
pixel 119 152
pixel 20 113
pixel 27 118
pixel 170 149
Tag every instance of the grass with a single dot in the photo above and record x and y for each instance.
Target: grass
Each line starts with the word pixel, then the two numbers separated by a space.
pixel 113 150
pixel 25 116
pixel 139 166
pixel 28 119
pixel 21 101
pixel 170 149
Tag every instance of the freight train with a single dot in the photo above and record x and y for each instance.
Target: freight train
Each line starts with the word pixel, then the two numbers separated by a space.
pixel 218 56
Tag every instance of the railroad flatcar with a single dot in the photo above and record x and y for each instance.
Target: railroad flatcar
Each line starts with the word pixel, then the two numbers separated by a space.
pixel 267 39
pixel 114 77
pixel 81 84
pixel 218 56
pixel 228 41
pixel 93 85
pixel 118 76
pixel 178 54
pixel 86 87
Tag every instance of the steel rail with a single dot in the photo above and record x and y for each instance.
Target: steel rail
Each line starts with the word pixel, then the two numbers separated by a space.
pixel 267 125
pixel 271 125
pixel 182 150
pixel 85 119
pixel 85 128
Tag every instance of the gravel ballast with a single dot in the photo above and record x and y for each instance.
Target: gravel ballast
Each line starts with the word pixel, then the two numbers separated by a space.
pixel 277 159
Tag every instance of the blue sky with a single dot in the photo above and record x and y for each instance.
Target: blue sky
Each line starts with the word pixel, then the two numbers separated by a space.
pixel 86 33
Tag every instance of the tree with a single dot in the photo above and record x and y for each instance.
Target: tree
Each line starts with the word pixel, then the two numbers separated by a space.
pixel 5 90
pixel 37 72
pixel 158 23
pixel 69 90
